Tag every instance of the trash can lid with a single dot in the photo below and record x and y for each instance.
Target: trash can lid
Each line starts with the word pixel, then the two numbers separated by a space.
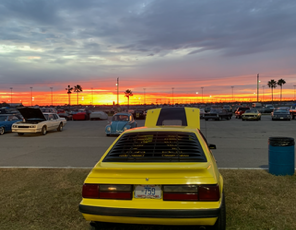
pixel 281 141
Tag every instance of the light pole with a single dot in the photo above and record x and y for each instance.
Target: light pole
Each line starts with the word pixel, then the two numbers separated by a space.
pixel 51 96
pixel 197 97
pixel 31 96
pixel 202 94
pixel 10 96
pixel 232 92
pixel 263 92
pixel 173 95
pixel 117 84
pixel 258 87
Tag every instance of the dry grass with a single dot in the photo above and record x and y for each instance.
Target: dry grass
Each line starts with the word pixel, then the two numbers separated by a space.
pixel 49 198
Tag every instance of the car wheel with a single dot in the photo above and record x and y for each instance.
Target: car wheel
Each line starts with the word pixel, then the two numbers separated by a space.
pixel 243 119
pixel 206 119
pixel 44 130
pixel 60 128
pixel 20 134
pixel 2 131
pixel 100 225
pixel 108 135
pixel 221 221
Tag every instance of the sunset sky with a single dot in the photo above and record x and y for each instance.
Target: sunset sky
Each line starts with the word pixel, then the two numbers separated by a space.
pixel 163 50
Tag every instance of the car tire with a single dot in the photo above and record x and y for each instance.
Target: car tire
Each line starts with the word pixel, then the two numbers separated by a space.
pixel 206 119
pixel 243 119
pixel 2 130
pixel 44 130
pixel 100 225
pixel 221 221
pixel 20 134
pixel 108 135
pixel 60 128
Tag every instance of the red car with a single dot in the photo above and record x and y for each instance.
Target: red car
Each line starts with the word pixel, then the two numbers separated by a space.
pixel 240 110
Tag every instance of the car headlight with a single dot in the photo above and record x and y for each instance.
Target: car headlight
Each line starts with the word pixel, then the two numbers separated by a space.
pixel 32 126
pixel 14 126
pixel 109 128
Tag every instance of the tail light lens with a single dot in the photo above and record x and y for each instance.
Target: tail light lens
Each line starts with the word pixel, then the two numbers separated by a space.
pixel 191 193
pixel 209 192
pixel 118 192
pixel 180 192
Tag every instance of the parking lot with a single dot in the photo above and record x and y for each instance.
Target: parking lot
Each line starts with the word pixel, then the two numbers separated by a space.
pixel 240 144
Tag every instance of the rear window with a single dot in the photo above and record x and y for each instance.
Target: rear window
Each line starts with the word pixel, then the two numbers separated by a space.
pixel 157 147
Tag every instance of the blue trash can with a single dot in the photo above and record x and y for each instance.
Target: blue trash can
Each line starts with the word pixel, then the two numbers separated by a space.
pixel 281 156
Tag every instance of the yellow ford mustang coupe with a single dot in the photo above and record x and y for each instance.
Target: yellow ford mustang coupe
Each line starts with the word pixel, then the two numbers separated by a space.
pixel 160 174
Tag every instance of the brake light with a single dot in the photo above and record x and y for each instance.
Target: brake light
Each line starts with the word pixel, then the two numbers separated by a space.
pixel 95 191
pixel 191 193
pixel 180 192
pixel 209 192
pixel 90 191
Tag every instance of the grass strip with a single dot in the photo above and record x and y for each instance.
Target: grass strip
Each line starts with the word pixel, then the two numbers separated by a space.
pixel 49 198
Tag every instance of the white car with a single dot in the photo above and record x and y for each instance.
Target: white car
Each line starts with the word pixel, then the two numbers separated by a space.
pixel 37 122
pixel 100 115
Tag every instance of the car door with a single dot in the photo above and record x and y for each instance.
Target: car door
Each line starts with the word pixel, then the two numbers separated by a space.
pixel 56 121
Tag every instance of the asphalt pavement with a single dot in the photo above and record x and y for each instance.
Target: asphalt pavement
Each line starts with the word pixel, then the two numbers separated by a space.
pixel 240 144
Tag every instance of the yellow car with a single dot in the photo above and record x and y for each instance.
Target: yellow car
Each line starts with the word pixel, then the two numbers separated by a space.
pixel 251 114
pixel 160 174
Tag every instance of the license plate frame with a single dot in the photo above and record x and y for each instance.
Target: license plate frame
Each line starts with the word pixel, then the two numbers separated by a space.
pixel 148 192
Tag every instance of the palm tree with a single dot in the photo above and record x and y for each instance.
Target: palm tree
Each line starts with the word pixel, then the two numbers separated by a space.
pixel 272 84
pixel 77 89
pixel 69 91
pixel 281 82
pixel 128 93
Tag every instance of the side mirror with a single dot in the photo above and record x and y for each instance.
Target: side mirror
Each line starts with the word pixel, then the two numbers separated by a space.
pixel 212 146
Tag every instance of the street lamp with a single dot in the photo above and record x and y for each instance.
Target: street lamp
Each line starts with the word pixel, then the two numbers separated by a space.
pixel 51 96
pixel 258 81
pixel 197 97
pixel 10 96
pixel 31 96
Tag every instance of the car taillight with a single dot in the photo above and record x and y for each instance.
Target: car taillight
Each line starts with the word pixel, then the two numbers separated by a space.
pixel 191 193
pixel 96 191
pixel 208 192
pixel 180 192
pixel 90 191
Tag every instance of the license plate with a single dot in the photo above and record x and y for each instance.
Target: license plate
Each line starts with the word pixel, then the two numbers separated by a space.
pixel 281 118
pixel 147 191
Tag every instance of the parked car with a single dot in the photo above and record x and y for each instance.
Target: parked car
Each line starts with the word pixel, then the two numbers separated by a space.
pixel 281 114
pixel 98 115
pixel 66 115
pixel 37 122
pixel 49 110
pixel 227 108
pixel 251 114
pixel 157 174
pixel 201 113
pixel 6 121
pixel 293 111
pixel 240 110
pixel 268 109
pixel 80 116
pixel 218 114
pixel 139 114
pixel 120 123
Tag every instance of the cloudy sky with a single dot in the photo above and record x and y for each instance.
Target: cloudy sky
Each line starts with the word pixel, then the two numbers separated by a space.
pixel 153 44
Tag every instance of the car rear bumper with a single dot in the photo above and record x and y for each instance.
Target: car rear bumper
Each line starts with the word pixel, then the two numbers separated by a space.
pixel 150 216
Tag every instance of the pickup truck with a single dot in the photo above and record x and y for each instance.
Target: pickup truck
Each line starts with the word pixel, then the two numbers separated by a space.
pixel 218 114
